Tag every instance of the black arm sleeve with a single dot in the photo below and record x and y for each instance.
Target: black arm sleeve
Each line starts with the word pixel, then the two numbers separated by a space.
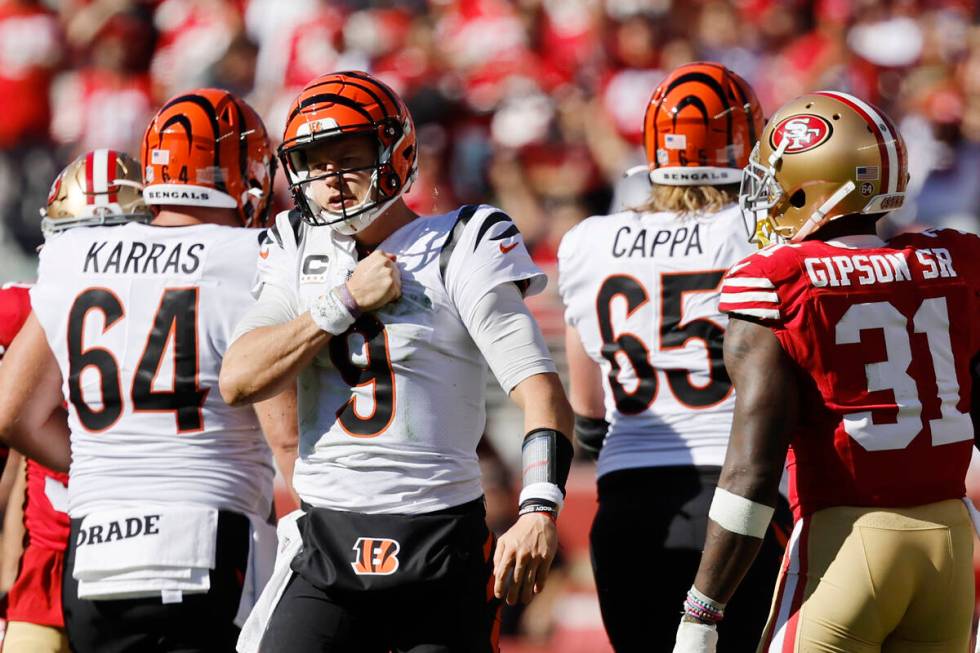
pixel 591 433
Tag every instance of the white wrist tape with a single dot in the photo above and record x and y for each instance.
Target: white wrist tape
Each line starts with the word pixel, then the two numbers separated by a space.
pixel 740 515
pixel 547 491
pixel 330 314
pixel 696 638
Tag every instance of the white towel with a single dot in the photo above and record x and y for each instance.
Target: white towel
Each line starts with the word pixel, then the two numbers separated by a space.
pixel 261 562
pixel 290 543
pixel 145 551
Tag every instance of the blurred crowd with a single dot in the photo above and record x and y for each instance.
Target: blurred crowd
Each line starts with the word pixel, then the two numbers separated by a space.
pixel 533 105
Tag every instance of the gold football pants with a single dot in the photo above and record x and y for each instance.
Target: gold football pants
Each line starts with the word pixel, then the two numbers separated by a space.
pixel 863 580
pixel 23 637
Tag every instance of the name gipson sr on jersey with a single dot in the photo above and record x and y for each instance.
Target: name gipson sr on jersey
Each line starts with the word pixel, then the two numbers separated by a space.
pixel 865 270
pixel 139 258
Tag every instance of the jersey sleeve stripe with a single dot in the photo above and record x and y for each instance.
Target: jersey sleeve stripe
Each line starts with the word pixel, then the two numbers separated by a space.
pixel 749 282
pixel 767 313
pixel 741 297
pixel 738 266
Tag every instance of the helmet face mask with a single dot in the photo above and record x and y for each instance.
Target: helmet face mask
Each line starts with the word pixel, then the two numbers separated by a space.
pixel 347 105
pixel 303 180
pixel 758 196
pixel 101 187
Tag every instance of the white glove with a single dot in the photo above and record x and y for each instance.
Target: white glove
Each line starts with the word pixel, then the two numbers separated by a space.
pixel 696 638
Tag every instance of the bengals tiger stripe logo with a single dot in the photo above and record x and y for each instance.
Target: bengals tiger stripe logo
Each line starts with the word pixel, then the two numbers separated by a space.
pixel 375 556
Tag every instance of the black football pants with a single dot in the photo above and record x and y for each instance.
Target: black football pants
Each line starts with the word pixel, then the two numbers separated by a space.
pixel 201 623
pixel 646 545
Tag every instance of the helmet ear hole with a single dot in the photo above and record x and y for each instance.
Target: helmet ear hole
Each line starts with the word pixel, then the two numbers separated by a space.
pixel 798 199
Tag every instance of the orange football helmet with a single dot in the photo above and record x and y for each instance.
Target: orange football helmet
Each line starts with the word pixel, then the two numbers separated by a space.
pixel 343 104
pixel 101 187
pixel 700 125
pixel 209 148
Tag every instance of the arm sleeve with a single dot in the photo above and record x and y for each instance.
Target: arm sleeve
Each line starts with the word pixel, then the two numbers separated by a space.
pixel 508 336
pixel 568 282
pixel 274 306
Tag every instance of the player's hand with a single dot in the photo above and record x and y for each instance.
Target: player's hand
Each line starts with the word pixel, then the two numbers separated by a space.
pixel 376 281
pixel 523 558
pixel 693 637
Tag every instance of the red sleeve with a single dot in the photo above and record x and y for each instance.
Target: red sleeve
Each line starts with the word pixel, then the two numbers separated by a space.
pixel 761 286
pixel 15 306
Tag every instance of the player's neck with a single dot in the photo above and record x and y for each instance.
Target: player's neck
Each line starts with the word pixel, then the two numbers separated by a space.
pixel 394 218
pixel 853 225
pixel 183 216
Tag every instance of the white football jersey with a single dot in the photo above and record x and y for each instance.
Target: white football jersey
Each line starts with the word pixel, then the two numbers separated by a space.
pixel 391 411
pixel 642 290
pixel 139 318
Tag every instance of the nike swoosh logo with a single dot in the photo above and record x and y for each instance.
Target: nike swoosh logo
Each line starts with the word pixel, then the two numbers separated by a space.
pixel 506 248
pixel 263 253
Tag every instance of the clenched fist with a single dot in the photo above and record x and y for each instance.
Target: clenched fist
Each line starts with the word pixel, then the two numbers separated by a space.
pixel 376 281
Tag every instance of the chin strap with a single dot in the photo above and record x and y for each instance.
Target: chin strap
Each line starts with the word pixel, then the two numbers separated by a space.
pixel 816 219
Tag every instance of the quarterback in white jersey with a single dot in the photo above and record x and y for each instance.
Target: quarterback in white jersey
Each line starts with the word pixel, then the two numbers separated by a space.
pixel 170 487
pixel 644 341
pixel 381 391
pixel 384 318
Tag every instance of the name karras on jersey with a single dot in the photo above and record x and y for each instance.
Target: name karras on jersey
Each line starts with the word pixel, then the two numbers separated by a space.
pixel 135 257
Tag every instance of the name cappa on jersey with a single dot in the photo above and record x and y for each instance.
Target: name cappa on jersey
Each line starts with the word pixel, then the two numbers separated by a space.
pixel 681 241
pixel 134 257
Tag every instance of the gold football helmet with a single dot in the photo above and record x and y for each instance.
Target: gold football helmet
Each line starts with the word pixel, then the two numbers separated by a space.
pixel 822 156
pixel 101 187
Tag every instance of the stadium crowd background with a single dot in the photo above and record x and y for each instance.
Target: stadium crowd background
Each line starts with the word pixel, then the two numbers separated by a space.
pixel 533 105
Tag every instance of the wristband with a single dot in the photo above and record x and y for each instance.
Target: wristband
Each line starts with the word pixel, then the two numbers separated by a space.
pixel 703 608
pixel 347 299
pixel 546 458
pixel 532 506
pixel 330 314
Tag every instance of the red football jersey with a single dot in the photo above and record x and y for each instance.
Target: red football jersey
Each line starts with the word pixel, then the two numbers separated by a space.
pixel 45 517
pixel 883 334
pixel 15 306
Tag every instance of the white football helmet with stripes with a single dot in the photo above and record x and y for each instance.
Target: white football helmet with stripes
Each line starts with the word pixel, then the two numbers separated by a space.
pixel 100 187
pixel 822 156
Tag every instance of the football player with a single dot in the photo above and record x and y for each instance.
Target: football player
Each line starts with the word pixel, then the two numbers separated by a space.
pixel 170 487
pixel 644 340
pixel 854 354
pixel 384 320
pixel 102 187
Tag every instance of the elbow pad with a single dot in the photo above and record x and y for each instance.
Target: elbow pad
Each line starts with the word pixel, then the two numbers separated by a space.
pixel 591 434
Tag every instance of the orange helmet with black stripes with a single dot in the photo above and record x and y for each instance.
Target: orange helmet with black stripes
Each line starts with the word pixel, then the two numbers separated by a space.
pixel 344 104
pixel 207 147
pixel 700 125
